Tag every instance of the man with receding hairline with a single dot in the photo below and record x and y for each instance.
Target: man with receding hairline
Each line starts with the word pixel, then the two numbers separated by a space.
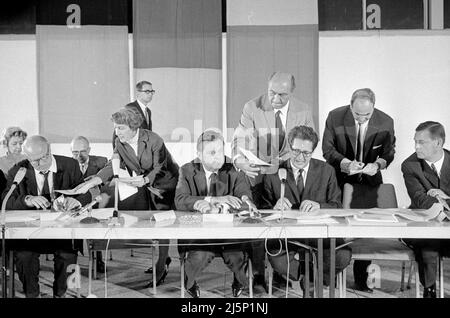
pixel 45 173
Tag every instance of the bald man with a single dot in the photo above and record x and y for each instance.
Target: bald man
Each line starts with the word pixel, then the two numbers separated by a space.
pixel 45 173
pixel 262 129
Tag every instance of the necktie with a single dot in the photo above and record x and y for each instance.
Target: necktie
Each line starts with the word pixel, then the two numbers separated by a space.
pixel 300 186
pixel 83 168
pixel 433 167
pixel 359 155
pixel 280 129
pixel 148 117
pixel 45 188
pixel 212 185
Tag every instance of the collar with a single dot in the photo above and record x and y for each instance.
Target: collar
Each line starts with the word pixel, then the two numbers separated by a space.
pixel 208 173
pixel 134 140
pixel 438 164
pixel 296 170
pixel 141 105
pixel 53 167
pixel 284 109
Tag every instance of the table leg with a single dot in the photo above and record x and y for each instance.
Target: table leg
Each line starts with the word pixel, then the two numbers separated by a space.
pixel 306 278
pixel 332 265
pixel 320 267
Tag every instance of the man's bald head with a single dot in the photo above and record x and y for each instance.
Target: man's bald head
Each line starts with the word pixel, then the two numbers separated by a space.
pixel 80 149
pixel 281 85
pixel 37 150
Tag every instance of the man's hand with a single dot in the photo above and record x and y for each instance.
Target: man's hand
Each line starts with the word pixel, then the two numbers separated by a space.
pixel 39 202
pixel 438 193
pixel 228 199
pixel 202 206
pixel 348 166
pixel 370 169
pixel 85 186
pixel 309 206
pixel 283 203
pixel 249 169
pixel 71 203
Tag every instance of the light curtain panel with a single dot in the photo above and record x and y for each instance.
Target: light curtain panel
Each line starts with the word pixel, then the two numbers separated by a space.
pixel 177 47
pixel 264 36
pixel 83 67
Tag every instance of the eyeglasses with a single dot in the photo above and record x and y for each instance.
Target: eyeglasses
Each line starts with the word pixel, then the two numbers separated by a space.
pixel 147 91
pixel 40 160
pixel 297 152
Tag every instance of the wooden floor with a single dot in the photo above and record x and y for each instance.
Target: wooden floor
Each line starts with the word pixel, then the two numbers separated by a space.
pixel 126 279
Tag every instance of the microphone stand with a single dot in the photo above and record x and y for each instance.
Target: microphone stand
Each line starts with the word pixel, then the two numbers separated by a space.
pixel 3 224
pixel 115 217
pixel 283 184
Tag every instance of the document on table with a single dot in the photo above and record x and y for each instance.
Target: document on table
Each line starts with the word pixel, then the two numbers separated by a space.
pixel 252 158
pixel 297 215
pixel 435 212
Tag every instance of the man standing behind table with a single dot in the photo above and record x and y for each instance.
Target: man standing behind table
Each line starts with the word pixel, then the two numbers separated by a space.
pixel 144 95
pixel 427 179
pixel 358 141
pixel 45 173
pixel 89 166
pixel 262 129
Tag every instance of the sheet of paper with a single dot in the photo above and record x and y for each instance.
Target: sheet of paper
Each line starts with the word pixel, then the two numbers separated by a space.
pixel 252 158
pixel 318 221
pixel 19 218
pixel 68 192
pixel 125 190
pixel 297 215
pixel 372 217
pixel 164 216
pixel 218 218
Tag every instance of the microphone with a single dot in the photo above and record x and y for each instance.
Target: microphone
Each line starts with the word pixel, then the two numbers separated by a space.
pixel 115 161
pixel 20 174
pixel 282 174
pixel 90 219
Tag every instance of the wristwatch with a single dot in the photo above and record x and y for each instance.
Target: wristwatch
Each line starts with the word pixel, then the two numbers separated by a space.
pixel 146 180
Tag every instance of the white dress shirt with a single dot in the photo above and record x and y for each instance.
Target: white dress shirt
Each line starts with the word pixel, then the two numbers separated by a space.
pixel 283 114
pixel 296 172
pixel 144 110
pixel 40 179
pixel 438 164
pixel 133 142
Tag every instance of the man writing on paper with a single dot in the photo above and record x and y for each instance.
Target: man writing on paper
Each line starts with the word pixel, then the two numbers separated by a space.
pixel 207 184
pixel 358 141
pixel 310 185
pixel 145 157
pixel 262 129
pixel 45 174
pixel 427 179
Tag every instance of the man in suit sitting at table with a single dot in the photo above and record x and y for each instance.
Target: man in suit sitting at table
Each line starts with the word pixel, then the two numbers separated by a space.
pixel 310 185
pixel 44 174
pixel 427 178
pixel 206 184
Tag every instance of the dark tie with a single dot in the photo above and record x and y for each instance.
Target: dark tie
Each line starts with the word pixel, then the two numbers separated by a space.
pixel 300 185
pixel 45 188
pixel 359 143
pixel 280 129
pixel 433 167
pixel 212 185
pixel 148 116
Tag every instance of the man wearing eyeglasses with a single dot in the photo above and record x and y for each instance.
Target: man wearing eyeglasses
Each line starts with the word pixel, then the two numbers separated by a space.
pixel 310 185
pixel 359 142
pixel 45 173
pixel 262 130
pixel 144 95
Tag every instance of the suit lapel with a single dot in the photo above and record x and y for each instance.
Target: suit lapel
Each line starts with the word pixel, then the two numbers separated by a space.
pixel 349 126
pixel 200 180
pixel 222 185
pixel 31 181
pixel 311 178
pixel 142 145
pixel 291 122
pixel 429 174
pixel 290 180
pixel 445 171
pixel 372 130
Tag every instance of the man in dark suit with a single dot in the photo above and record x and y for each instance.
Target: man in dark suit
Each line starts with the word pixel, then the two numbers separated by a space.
pixel 358 141
pixel 207 184
pixel 89 165
pixel 427 179
pixel 310 185
pixel 264 124
pixel 144 95
pixel 44 174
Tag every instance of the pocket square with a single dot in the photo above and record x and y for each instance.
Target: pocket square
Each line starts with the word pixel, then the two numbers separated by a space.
pixel 376 147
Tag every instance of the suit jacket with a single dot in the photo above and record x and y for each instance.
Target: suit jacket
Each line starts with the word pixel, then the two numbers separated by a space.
pixel 192 186
pixel 153 161
pixel 419 178
pixel 321 186
pixel 67 176
pixel 339 142
pixel 144 124
pixel 96 163
pixel 256 129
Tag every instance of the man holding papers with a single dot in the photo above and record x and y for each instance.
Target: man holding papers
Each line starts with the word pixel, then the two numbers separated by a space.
pixel 152 172
pixel 210 184
pixel 262 130
pixel 310 185
pixel 358 141
pixel 45 173
pixel 427 179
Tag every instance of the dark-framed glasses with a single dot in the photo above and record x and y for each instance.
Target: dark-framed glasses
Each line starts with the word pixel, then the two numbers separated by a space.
pixel 297 152
pixel 147 91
